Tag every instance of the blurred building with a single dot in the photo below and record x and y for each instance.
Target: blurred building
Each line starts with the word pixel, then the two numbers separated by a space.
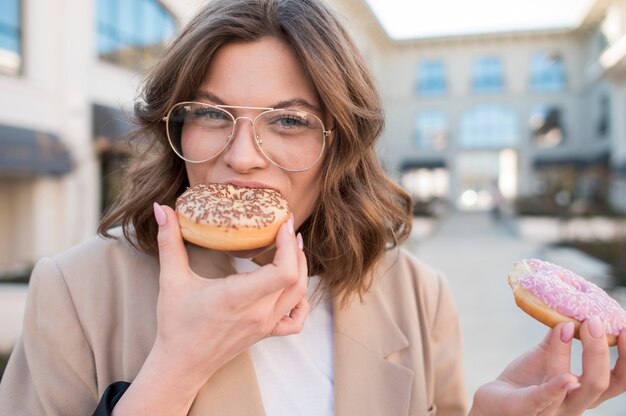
pixel 520 113
pixel 69 72
pixel 535 115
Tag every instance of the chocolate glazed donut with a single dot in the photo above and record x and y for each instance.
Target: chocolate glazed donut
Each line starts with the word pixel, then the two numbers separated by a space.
pixel 229 217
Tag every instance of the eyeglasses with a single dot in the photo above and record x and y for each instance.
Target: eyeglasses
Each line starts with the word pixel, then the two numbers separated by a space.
pixel 291 139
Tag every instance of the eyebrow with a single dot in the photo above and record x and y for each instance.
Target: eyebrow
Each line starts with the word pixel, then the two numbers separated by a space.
pixel 293 102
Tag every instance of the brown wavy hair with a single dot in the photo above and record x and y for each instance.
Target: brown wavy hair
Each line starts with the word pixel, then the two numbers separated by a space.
pixel 359 214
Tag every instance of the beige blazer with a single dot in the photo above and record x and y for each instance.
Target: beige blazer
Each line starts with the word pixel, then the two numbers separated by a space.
pixel 90 320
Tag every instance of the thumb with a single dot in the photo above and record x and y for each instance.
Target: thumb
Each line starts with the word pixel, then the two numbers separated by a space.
pixel 552 392
pixel 172 254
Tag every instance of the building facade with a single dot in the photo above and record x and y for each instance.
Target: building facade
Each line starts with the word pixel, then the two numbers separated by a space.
pixel 69 72
pixel 521 115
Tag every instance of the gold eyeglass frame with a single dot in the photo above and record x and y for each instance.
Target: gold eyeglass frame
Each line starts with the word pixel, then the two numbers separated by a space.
pixel 257 139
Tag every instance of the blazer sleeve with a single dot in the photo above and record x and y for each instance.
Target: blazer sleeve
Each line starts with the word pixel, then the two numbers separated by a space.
pixel 51 370
pixel 450 394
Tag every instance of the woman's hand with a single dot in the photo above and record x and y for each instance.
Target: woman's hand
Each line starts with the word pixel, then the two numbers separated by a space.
pixel 204 323
pixel 207 322
pixel 540 383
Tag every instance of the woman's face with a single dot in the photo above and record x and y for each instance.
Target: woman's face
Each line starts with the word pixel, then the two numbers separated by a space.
pixel 262 73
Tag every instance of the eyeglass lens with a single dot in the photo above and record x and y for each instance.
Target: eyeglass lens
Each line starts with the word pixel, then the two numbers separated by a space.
pixel 291 139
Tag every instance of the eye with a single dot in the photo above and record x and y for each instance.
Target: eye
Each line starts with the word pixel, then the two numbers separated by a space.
pixel 290 120
pixel 293 121
pixel 209 113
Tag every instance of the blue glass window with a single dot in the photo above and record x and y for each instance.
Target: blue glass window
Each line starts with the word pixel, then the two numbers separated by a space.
pixel 488 127
pixel 547 73
pixel 431 78
pixel 431 130
pixel 487 77
pixel 132 32
pixel 10 37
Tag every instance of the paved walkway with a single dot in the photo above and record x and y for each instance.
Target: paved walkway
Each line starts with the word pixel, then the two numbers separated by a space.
pixel 476 255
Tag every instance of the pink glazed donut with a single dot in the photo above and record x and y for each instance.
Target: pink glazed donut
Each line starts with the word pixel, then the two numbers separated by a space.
pixel 553 294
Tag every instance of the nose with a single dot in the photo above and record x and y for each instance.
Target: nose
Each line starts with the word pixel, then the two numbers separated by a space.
pixel 242 154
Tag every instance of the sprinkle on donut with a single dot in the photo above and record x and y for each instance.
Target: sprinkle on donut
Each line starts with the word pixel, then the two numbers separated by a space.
pixel 230 206
pixel 229 217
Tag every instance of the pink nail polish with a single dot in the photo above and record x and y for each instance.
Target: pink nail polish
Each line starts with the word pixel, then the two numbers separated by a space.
pixel 300 242
pixel 159 214
pixel 567 332
pixel 290 223
pixel 596 327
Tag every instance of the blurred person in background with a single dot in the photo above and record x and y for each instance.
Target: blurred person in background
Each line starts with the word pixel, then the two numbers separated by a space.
pixel 334 318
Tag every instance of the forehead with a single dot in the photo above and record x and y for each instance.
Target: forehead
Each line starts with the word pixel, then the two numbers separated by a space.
pixel 259 73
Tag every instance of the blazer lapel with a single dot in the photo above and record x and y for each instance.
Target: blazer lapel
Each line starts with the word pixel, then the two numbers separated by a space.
pixel 232 391
pixel 367 381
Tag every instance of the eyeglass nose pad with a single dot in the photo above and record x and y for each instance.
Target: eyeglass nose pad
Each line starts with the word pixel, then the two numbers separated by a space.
pixel 236 125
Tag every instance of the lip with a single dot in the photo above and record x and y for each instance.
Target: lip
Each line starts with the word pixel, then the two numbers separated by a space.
pixel 249 184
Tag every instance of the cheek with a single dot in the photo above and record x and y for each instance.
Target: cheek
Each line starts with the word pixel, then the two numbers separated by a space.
pixel 197 172
pixel 304 198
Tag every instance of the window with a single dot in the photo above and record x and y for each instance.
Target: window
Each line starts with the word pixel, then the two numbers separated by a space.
pixel 546 125
pixel 488 127
pixel 431 130
pixel 488 75
pixel 10 37
pixel 132 33
pixel 546 73
pixel 431 78
pixel 425 184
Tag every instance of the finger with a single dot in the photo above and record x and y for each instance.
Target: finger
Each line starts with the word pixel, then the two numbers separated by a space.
pixel 290 297
pixel 559 356
pixel 548 395
pixel 172 254
pixel 618 375
pixel 560 349
pixel 302 262
pixel 286 246
pixel 293 323
pixel 596 374
pixel 278 275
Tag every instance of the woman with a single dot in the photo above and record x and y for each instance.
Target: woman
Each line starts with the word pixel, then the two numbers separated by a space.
pixel 140 323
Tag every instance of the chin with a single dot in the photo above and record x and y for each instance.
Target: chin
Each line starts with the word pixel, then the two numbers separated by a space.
pixel 262 255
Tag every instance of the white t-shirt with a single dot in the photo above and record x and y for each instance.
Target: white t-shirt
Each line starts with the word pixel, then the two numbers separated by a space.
pixel 295 372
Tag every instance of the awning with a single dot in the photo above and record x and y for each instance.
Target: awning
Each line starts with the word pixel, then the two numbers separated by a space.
pixel 422 164
pixel 25 152
pixel 579 161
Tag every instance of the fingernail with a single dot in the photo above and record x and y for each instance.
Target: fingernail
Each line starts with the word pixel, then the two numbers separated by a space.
pixel 596 327
pixel 571 386
pixel 567 332
pixel 300 242
pixel 159 214
pixel 290 223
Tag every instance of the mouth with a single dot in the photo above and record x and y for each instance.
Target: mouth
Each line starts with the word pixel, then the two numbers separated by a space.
pixel 249 184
